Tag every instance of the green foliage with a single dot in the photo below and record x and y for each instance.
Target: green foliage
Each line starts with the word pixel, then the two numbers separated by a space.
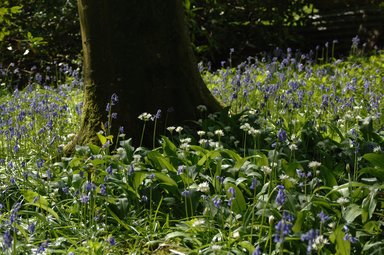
pixel 278 178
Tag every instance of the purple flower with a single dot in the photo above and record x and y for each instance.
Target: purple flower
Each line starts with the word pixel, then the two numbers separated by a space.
pixel 112 241
pixel 283 228
pixel 216 201
pixel 323 217
pixel 257 251
pixel 114 99
pixel 253 184
pixel 103 189
pixel 109 169
pixel 158 114
pixel 31 228
pixel 281 197
pixel 7 239
pixel 84 199
pixel 186 193
pixel 282 135
pixel 232 191
pixel 310 236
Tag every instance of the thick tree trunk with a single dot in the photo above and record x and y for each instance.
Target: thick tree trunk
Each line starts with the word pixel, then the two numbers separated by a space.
pixel 141 51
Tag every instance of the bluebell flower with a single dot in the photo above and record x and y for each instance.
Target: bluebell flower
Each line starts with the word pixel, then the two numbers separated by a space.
pixel 253 184
pixel 180 169
pixel 282 135
pixel 7 238
pixel 84 199
pixel 31 228
pixel 112 241
pixel 232 191
pixel 283 227
pixel 216 201
pixel 348 236
pixel 109 169
pixel 114 99
pixel 257 251
pixel 90 186
pixel 103 189
pixel 323 217
pixel 114 115
pixel 310 236
pixel 281 197
pixel 158 114
pixel 186 193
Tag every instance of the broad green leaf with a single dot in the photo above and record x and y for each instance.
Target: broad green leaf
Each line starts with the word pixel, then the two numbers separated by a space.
pixel 376 159
pixel 248 246
pixel 373 171
pixel 352 212
pixel 122 223
pixel 298 222
pixel 102 138
pixel 342 247
pixel 238 203
pixel 30 196
pixel 167 181
pixel 160 161
pixel 45 208
pixel 94 149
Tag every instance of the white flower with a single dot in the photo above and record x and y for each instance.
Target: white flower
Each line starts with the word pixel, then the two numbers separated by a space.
pixel 314 164
pixel 216 247
pixel 136 158
pixel 319 242
pixel 342 200
pixel 254 132
pixel 179 129
pixel 171 128
pixel 145 116
pixel 245 127
pixel 203 141
pixel 203 187
pixel 266 170
pixel 186 140
pixel 219 132
pixel 377 149
pixel 201 133
pixel 198 222
pixel 293 147
pixel 201 108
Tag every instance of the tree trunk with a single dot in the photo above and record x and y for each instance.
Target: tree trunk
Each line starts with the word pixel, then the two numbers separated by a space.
pixel 141 51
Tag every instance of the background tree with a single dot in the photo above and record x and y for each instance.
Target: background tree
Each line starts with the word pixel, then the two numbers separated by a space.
pixel 141 51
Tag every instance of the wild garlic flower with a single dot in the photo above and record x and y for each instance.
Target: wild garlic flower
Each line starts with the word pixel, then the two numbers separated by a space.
pixel 171 129
pixel 201 108
pixel 179 129
pixel 200 133
pixel 203 187
pixel 266 170
pixel 314 164
pixel 219 132
pixel 145 116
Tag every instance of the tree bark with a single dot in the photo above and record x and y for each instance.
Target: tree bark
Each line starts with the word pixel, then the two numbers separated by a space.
pixel 141 51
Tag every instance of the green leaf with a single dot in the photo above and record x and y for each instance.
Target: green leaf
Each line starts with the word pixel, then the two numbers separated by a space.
pixel 238 203
pixel 160 161
pixel 122 223
pixel 167 182
pixel 299 221
pixel 342 247
pixel 376 159
pixel 15 9
pixel 94 149
pixel 248 246
pixel 352 212
pixel 373 171
pixel 45 208
pixel 102 138
pixel 30 196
